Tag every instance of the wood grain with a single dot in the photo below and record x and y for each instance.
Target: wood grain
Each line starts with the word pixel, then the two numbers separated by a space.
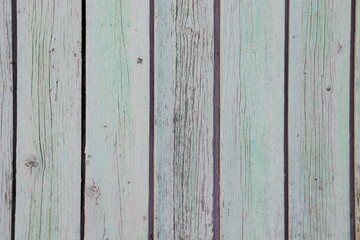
pixel 184 61
pixel 252 119
pixel 117 119
pixel 6 118
pixel 319 77
pixel 49 120
pixel 357 121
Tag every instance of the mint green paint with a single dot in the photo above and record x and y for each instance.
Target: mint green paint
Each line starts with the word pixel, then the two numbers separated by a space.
pixel 319 71
pixel 183 119
pixel 117 119
pixel 252 119
pixel 6 119
pixel 48 147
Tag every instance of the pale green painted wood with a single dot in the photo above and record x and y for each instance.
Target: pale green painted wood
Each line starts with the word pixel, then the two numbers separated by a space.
pixel 252 119
pixel 319 77
pixel 117 119
pixel 48 177
pixel 6 118
pixel 357 122
pixel 184 58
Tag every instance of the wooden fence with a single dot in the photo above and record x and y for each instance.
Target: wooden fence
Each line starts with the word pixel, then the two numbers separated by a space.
pixel 179 119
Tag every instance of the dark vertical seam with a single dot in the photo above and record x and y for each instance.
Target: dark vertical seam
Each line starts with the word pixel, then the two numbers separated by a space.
pixel 14 100
pixel 286 125
pixel 83 117
pixel 352 122
pixel 151 126
pixel 216 122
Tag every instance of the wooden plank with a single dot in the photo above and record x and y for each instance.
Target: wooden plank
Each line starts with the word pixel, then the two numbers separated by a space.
pixel 319 77
pixel 252 119
pixel 49 120
pixel 357 121
pixel 117 119
pixel 183 119
pixel 6 118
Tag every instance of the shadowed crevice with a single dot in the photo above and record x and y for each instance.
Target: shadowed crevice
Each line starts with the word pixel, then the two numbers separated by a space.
pixel 216 122
pixel 352 159
pixel 83 116
pixel 14 91
pixel 151 127
pixel 286 125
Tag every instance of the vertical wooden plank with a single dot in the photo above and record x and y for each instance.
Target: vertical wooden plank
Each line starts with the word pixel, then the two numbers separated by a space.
pixel 357 120
pixel 49 120
pixel 184 119
pixel 252 119
pixel 117 119
pixel 6 118
pixel 319 76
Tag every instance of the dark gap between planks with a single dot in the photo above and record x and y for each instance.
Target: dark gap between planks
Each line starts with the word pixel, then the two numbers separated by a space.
pixel 286 123
pixel 352 122
pixel 14 68
pixel 151 127
pixel 83 117
pixel 216 122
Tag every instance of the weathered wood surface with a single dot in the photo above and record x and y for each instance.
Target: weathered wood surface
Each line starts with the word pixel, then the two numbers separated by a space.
pixel 117 119
pixel 319 77
pixel 49 120
pixel 252 119
pixel 6 118
pixel 357 121
pixel 184 61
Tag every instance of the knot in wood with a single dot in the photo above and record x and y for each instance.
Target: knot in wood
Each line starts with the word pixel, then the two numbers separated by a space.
pixel 188 30
pixel 93 191
pixel 31 162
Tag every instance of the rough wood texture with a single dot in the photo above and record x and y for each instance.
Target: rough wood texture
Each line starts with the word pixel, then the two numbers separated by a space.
pixel 357 121
pixel 183 119
pixel 49 120
pixel 117 119
pixel 319 64
pixel 252 119
pixel 6 118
